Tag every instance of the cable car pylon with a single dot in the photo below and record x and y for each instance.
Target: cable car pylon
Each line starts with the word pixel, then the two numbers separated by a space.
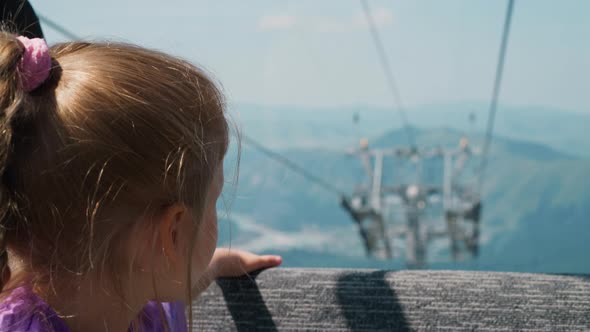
pixel 372 202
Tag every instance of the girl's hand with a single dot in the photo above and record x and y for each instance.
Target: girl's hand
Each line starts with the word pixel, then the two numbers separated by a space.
pixel 233 263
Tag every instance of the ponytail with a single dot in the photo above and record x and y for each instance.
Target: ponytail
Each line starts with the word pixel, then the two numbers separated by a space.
pixel 11 100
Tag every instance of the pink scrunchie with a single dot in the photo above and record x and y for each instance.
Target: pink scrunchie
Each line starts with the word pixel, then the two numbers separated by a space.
pixel 35 64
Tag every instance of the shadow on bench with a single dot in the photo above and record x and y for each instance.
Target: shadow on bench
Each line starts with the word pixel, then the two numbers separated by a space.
pixel 370 300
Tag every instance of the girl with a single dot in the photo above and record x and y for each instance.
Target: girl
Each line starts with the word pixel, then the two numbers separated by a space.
pixel 110 169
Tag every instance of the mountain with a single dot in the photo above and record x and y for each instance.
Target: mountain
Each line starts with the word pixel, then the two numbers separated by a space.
pixel 535 217
pixel 290 127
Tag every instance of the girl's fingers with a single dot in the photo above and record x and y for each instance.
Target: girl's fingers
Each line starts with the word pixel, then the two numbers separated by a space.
pixel 261 262
pixel 233 263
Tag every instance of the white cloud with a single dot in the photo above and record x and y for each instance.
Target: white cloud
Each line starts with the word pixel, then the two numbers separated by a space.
pixel 381 17
pixel 276 22
pixel 262 238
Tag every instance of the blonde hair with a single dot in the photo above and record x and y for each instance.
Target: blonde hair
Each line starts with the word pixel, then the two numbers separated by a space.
pixel 117 131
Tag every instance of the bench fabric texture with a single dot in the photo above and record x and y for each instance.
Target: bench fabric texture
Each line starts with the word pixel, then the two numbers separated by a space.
pixel 375 300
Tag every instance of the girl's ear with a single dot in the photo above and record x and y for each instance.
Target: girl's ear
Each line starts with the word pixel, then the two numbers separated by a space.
pixel 169 227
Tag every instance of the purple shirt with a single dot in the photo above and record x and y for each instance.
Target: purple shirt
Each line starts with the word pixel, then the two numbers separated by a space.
pixel 24 311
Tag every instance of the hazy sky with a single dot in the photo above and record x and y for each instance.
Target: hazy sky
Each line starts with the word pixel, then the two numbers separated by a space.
pixel 320 53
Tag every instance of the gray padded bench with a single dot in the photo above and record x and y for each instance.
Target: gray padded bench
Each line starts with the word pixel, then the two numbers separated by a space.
pixel 374 300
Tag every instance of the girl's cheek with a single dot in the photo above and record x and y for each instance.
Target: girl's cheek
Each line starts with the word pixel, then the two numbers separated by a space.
pixel 205 245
